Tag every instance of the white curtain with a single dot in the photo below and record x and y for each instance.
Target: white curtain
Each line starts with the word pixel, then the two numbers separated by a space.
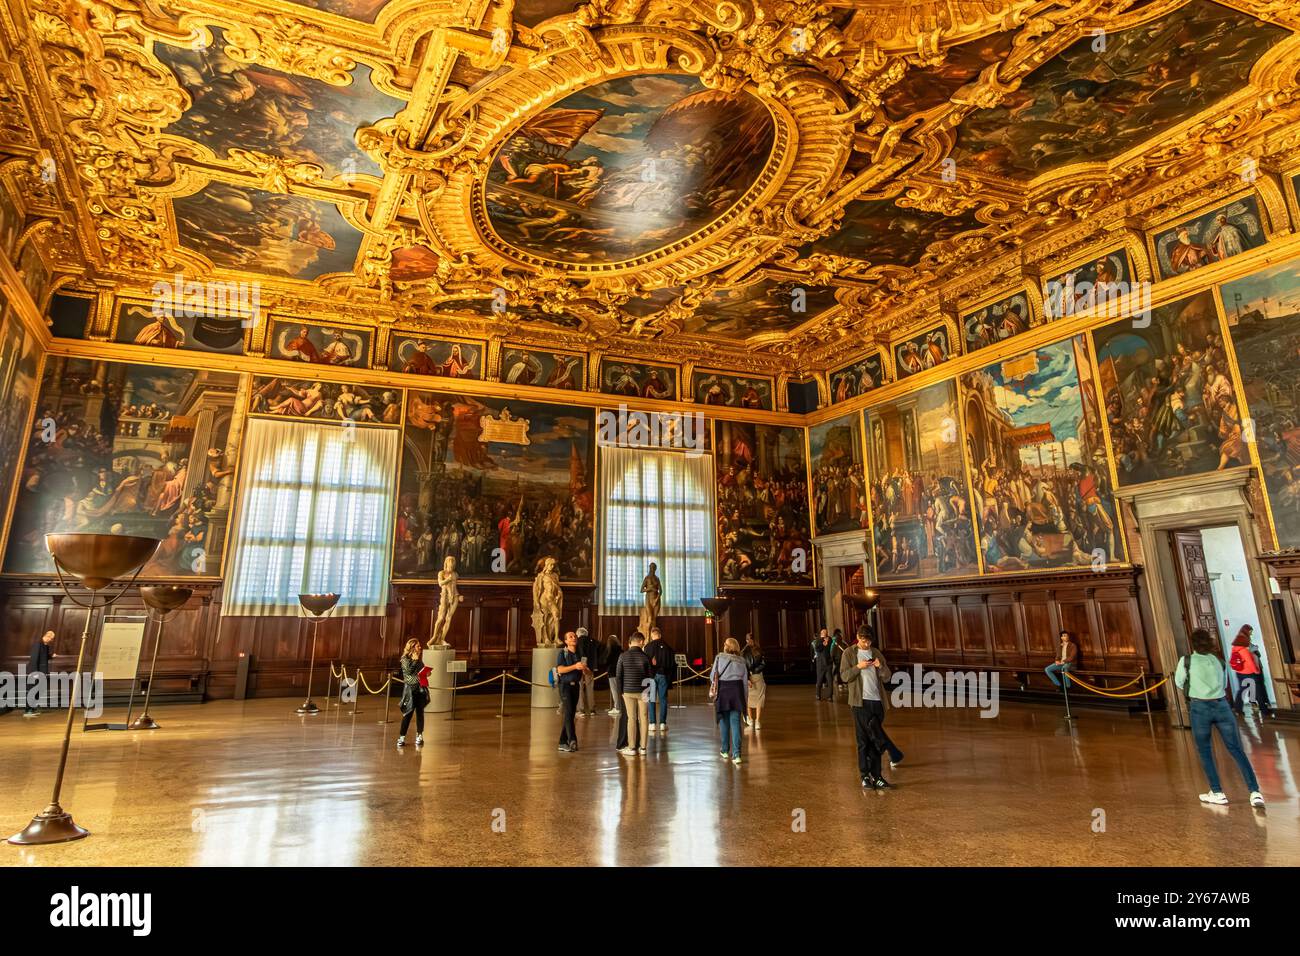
pixel 315 516
pixel 656 506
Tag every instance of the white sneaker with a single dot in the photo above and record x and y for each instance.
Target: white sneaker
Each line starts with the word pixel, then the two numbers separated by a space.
pixel 581 713
pixel 663 728
pixel 401 742
pixel 736 760
pixel 628 751
pixel 419 740
pixel 724 755
pixel 652 730
pixel 1256 798
pixel 758 725
pixel 747 720
pixel 1215 797
pixel 615 712
pixel 640 752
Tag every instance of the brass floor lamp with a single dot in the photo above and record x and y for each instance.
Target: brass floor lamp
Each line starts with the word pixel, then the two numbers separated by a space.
pixel 161 599
pixel 317 606
pixel 96 560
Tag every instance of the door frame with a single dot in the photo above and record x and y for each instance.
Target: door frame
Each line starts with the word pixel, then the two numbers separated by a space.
pixel 1213 500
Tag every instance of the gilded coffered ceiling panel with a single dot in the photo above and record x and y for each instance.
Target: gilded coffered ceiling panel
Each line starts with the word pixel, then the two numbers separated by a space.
pixel 761 185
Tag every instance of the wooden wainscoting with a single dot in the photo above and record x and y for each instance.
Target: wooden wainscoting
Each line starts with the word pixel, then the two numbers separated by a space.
pixel 1013 623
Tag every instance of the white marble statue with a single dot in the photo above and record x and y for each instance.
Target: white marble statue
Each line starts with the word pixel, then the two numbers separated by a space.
pixel 548 603
pixel 448 601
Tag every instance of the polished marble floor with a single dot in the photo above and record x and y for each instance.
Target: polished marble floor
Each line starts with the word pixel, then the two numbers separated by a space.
pixel 251 783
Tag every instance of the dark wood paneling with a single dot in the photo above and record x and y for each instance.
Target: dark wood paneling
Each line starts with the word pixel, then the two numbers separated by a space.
pixel 1013 622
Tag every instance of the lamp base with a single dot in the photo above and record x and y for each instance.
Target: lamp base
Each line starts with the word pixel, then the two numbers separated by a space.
pixel 51 825
pixel 308 706
pixel 144 722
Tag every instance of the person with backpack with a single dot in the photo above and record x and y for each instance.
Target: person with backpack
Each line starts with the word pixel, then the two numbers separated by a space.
pixel 1245 664
pixel 569 671
pixel 1201 678
pixel 415 692
pixel 589 650
pixel 755 663
pixel 662 663
pixel 633 671
pixel 729 691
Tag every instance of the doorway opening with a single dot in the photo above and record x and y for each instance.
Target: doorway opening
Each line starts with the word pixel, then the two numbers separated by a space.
pixel 1215 593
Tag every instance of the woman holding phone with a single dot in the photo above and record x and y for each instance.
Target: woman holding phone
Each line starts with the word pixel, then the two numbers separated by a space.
pixel 415 692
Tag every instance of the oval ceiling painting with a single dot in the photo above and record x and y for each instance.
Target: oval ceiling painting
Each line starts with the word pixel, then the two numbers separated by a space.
pixel 626 167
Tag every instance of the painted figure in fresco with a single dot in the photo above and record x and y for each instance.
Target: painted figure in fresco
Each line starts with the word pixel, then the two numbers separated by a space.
pixel 652 588
pixel 161 333
pixel 1225 239
pixel 548 604
pixel 419 361
pixel 456 365
pixel 337 352
pixel 1186 255
pixel 448 599
pixel 564 374
pixel 300 402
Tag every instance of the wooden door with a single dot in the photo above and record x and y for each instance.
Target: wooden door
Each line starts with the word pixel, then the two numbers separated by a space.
pixel 851 582
pixel 1194 583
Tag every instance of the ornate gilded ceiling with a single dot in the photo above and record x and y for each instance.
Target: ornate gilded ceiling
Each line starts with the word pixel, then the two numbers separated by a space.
pixel 761 184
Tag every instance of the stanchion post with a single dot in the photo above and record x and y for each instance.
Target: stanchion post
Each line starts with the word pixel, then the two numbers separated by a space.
pixel 329 684
pixel 501 715
pixel 1147 696
pixel 1065 687
pixel 388 696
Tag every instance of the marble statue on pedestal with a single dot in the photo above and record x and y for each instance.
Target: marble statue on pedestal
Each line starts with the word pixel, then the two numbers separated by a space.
pixel 652 589
pixel 548 603
pixel 448 601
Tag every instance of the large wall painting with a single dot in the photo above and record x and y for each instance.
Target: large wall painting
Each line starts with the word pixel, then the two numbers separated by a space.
pixel 1100 281
pixel 839 490
pixel 764 532
pixel 135 449
pixel 1263 313
pixel 858 378
pixel 422 355
pixel 498 484
pixel 737 391
pixel 920 503
pixel 1211 237
pixel 19 359
pixel 299 340
pixel 1168 393
pixel 521 366
pixel 626 166
pixel 1036 450
pixel 140 324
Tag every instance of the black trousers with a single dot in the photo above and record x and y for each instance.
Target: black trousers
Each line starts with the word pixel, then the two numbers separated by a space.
pixel 569 708
pixel 418 713
pixel 1257 687
pixel 824 677
pixel 622 726
pixel 871 744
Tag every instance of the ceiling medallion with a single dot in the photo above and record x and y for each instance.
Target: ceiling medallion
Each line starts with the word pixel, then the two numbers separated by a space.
pixel 638 161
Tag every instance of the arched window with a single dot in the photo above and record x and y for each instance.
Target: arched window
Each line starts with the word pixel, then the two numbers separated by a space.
pixel 656 506
pixel 315 515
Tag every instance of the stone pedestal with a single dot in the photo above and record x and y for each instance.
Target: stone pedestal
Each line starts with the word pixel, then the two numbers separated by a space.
pixel 437 659
pixel 544 695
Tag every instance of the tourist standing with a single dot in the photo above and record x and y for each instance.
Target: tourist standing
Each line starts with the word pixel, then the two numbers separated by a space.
pixel 823 662
pixel 1245 662
pixel 633 672
pixel 38 664
pixel 662 662
pixel 755 663
pixel 589 651
pixel 415 692
pixel 1200 676
pixel 613 649
pixel 729 689
pixel 569 669
pixel 865 674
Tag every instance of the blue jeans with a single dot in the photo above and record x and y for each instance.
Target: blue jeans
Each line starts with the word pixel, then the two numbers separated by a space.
pixel 1051 670
pixel 729 728
pixel 660 703
pixel 1206 715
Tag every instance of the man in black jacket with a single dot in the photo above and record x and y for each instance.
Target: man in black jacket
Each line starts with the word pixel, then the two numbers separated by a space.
pixel 589 651
pixel 632 672
pixel 662 663
pixel 823 662
pixel 38 663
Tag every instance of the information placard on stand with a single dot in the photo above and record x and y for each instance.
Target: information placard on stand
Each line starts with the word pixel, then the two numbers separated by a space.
pixel 118 658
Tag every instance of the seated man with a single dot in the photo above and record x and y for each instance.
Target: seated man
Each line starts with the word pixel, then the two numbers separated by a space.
pixel 1065 656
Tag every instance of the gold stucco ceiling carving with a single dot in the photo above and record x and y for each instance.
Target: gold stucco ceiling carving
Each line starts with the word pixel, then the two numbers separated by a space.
pixel 437 150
